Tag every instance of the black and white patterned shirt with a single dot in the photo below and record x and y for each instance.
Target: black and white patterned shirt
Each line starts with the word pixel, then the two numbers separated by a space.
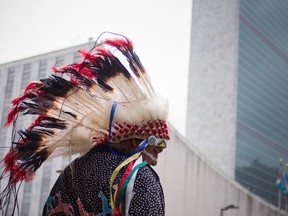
pixel 83 188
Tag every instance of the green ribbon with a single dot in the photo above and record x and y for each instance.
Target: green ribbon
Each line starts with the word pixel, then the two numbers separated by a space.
pixel 125 183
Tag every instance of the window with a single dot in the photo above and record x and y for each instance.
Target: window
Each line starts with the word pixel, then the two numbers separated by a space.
pixel 76 57
pixel 25 75
pixel 59 60
pixel 42 69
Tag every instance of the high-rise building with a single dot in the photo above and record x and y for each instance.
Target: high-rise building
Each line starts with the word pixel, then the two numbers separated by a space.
pixel 262 98
pixel 237 106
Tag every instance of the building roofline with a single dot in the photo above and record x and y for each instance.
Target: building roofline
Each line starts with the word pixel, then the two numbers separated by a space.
pixel 45 53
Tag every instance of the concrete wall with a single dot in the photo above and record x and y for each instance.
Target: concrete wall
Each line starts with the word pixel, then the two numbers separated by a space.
pixel 193 185
pixel 212 95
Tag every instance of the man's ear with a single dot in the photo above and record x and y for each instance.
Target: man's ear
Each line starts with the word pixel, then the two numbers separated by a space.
pixel 135 142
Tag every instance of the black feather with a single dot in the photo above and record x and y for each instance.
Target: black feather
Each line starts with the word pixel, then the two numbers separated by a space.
pixel 57 86
pixel 104 86
pixel 49 122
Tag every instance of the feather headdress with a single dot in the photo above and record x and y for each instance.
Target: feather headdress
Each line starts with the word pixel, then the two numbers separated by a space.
pixel 77 109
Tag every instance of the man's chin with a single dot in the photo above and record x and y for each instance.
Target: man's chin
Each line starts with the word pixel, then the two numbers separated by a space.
pixel 152 159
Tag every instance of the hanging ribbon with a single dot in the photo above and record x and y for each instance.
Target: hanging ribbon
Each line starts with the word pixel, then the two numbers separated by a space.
pixel 123 188
pixel 116 172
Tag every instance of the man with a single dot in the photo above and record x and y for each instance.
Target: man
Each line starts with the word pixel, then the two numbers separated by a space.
pixel 109 111
pixel 83 187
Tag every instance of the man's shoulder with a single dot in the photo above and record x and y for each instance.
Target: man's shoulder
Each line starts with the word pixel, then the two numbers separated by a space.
pixel 147 173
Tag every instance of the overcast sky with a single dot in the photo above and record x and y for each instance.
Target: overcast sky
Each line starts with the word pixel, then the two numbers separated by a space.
pixel 160 30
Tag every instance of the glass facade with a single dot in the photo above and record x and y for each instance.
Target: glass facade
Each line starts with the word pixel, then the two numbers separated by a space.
pixel 262 110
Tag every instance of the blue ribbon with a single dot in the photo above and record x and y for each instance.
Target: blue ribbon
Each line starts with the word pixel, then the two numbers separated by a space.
pixel 111 120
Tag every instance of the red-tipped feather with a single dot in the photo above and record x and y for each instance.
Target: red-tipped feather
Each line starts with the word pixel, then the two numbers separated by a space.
pixel 76 66
pixel 104 52
pixel 28 94
pixel 56 70
pixel 86 73
pixel 18 175
pixel 120 43
pixel 31 86
pixel 74 81
pixel 36 122
pixel 61 69
pixel 10 166
pixel 11 115
pixel 9 160
pixel 79 67
pixel 86 55
pixel 15 101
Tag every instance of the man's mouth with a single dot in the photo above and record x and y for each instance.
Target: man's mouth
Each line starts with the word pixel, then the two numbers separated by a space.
pixel 150 155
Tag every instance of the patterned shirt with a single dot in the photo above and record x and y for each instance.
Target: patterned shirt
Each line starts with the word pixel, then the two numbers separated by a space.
pixel 83 188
